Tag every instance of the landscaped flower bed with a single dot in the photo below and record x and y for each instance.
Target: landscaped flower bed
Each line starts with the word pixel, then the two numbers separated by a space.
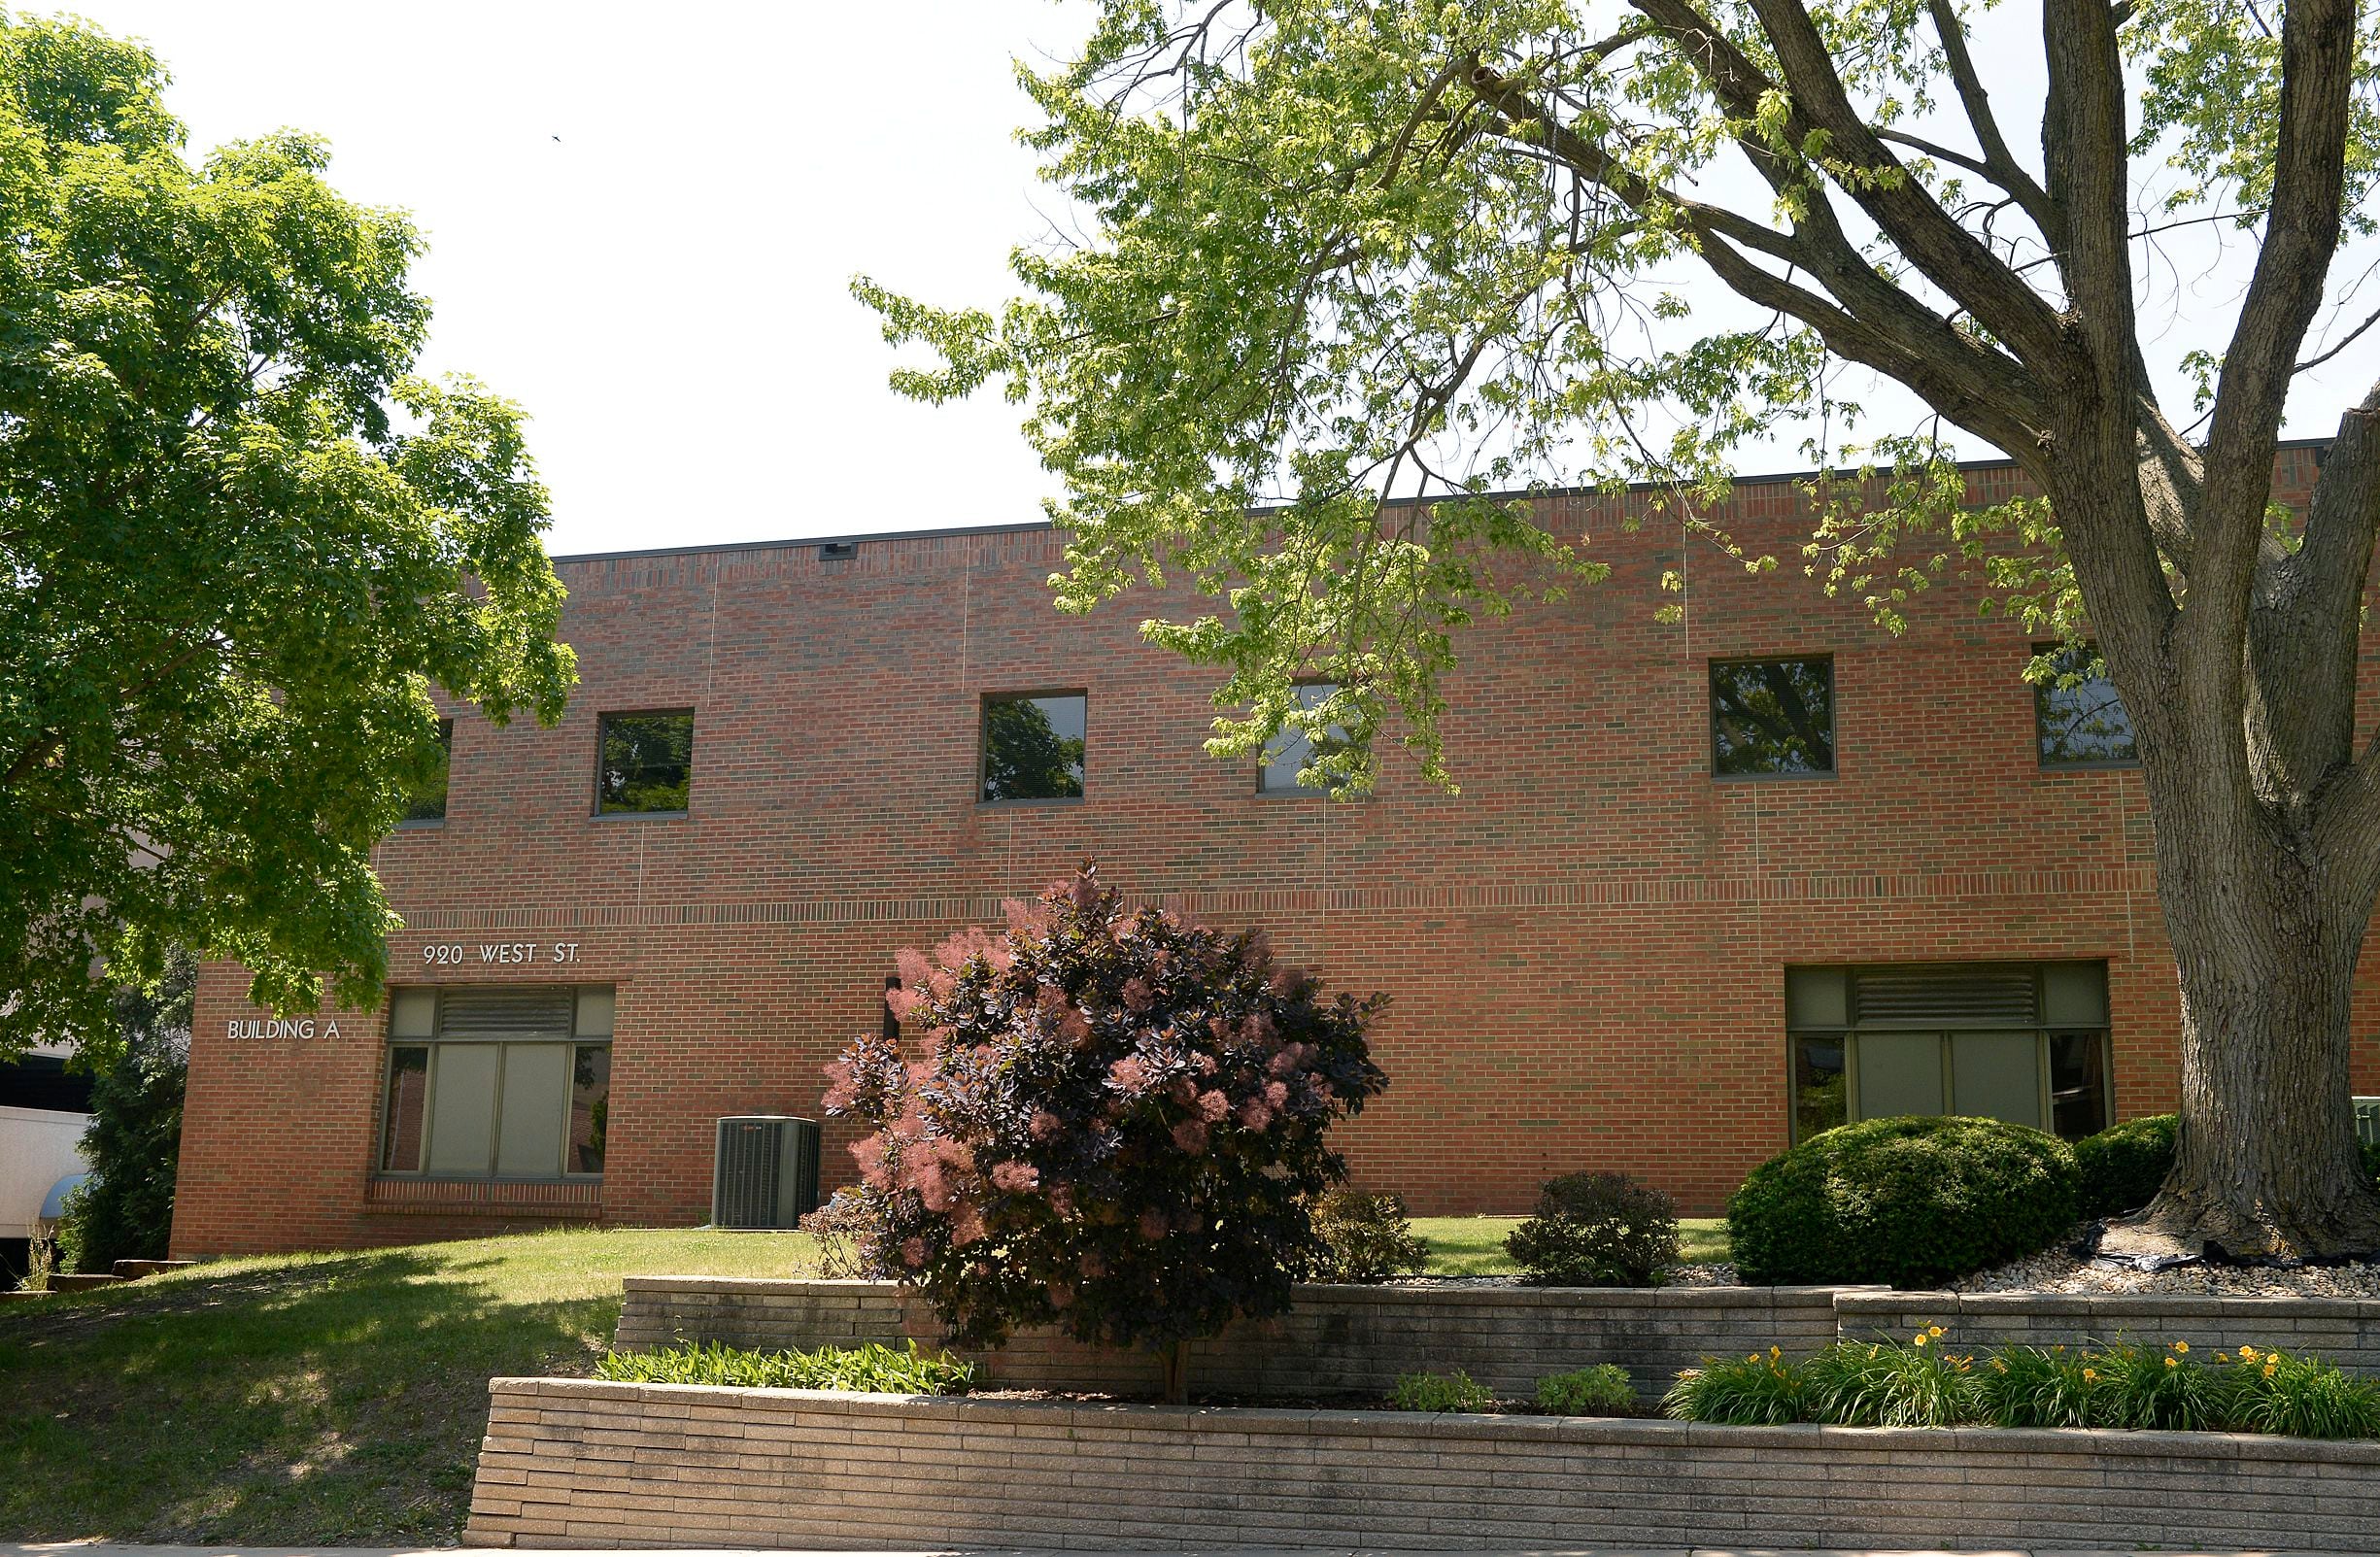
pixel 1924 1383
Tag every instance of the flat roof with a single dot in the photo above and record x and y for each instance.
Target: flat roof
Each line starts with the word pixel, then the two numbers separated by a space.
pixel 1767 479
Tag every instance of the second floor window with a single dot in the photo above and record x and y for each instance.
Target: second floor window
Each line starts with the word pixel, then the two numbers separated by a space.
pixel 646 763
pixel 427 805
pixel 1773 717
pixel 1033 746
pixel 1293 749
pixel 2080 721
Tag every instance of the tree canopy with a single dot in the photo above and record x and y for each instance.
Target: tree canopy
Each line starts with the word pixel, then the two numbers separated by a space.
pixel 1332 252
pixel 240 545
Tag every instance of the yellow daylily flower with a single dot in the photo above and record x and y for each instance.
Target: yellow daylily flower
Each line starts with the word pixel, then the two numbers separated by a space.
pixel 2181 1345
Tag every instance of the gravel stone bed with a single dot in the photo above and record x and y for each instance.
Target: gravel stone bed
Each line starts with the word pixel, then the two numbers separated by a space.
pixel 1720 1275
pixel 2060 1271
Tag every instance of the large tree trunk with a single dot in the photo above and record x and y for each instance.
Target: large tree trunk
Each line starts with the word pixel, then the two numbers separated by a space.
pixel 2265 932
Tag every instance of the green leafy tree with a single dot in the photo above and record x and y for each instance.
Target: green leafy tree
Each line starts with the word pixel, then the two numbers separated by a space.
pixel 126 1210
pixel 1337 251
pixel 239 545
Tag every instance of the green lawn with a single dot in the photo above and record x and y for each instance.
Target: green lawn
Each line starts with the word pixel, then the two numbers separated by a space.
pixel 1474 1246
pixel 309 1397
pixel 304 1399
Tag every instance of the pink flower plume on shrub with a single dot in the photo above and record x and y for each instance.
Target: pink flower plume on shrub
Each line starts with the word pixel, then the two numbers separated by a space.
pixel 1112 1124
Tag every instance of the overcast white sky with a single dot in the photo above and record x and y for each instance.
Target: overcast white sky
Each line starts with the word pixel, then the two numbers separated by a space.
pixel 642 221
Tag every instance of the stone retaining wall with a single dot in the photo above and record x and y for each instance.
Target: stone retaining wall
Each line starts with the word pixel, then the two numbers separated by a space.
pixel 1355 1341
pixel 1335 1341
pixel 577 1463
pixel 2345 1330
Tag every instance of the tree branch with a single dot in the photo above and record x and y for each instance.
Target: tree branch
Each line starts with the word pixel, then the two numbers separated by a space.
pixel 1951 257
pixel 1999 164
pixel 2306 622
pixel 2317 49
pixel 1896 334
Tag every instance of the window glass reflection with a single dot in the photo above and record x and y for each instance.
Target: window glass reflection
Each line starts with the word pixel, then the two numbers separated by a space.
pixel 1773 717
pixel 1032 747
pixel 647 763
pixel 2081 719
pixel 1292 749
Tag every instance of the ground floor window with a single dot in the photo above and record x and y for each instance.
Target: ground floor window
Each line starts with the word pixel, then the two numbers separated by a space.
pixel 2021 1041
pixel 501 1082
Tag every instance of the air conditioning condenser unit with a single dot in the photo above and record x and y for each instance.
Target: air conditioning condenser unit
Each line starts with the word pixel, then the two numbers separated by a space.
pixel 764 1172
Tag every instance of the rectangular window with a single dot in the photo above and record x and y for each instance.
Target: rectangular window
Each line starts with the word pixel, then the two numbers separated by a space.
pixel 2027 1042
pixel 401 1128
pixel 1292 750
pixel 2080 719
pixel 645 764
pixel 1773 717
pixel 2078 1083
pixel 1819 1087
pixel 512 1082
pixel 1033 746
pixel 427 806
pixel 591 1086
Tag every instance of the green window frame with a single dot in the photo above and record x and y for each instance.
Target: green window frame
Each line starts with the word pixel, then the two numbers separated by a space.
pixel 2027 1041
pixel 508 1083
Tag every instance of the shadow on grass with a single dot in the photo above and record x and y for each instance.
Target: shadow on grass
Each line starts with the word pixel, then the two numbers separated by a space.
pixel 337 1399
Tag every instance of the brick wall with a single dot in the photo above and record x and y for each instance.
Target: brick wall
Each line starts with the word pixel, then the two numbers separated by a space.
pixel 1337 1340
pixel 574 1462
pixel 1585 947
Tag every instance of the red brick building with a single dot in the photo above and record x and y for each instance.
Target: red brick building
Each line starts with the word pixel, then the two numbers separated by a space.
pixel 1603 952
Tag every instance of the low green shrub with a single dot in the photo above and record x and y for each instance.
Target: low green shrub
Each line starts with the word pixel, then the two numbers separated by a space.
pixel 1457 1391
pixel 1920 1383
pixel 1908 1201
pixel 2372 1160
pixel 872 1368
pixel 2123 1167
pixel 1596 1230
pixel 1603 1390
pixel 1757 1392
pixel 1365 1237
